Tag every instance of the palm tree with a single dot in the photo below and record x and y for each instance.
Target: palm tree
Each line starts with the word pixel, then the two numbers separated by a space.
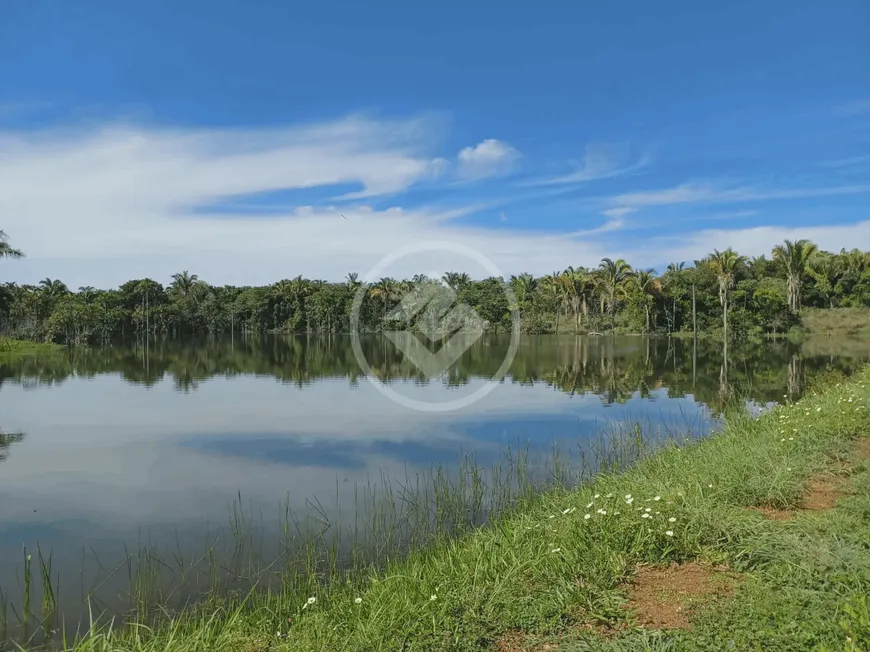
pixel 793 258
pixel 87 293
pixel 183 283
pixel 756 266
pixel 577 285
pixel 649 287
pixel 53 289
pixel 523 286
pixel 385 290
pixel 456 280
pixel 825 269
pixel 552 285
pixel 725 265
pixel 675 288
pixel 5 250
pixel 613 276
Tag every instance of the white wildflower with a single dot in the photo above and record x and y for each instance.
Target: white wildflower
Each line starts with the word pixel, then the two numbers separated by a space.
pixel 603 512
pixel 648 510
pixel 645 515
pixel 657 498
pixel 672 520
pixel 629 501
pixel 589 506
pixel 587 517
pixel 433 597
pixel 556 550
pixel 358 600
pixel 670 533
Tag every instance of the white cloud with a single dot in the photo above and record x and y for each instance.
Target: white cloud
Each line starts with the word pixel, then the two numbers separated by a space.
pixel 601 161
pixel 102 206
pixel 689 193
pixel 685 193
pixel 489 158
pixel 619 211
pixel 754 241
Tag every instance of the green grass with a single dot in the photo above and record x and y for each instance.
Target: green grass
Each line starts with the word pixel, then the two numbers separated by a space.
pixel 837 321
pixel 546 569
pixel 12 349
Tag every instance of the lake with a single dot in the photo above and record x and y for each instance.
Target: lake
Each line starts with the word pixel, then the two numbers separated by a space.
pixel 161 446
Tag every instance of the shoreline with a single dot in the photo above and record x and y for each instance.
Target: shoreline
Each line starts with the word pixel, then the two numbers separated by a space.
pixel 13 349
pixel 559 568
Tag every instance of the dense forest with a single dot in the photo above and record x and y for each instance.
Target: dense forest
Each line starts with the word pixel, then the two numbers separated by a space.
pixel 724 292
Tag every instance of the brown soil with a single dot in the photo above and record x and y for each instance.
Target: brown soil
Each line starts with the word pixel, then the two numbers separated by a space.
pixel 862 448
pixel 823 491
pixel 511 642
pixel 773 514
pixel 663 598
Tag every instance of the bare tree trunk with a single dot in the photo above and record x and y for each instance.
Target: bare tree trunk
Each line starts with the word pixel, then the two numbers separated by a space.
pixel 694 314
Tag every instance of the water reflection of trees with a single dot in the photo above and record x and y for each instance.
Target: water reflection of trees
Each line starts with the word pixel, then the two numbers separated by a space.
pixel 613 368
pixel 6 440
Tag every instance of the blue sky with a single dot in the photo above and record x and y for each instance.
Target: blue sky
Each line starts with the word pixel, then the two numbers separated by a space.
pixel 228 138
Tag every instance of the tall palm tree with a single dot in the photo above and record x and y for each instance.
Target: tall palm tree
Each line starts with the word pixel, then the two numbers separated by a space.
pixel 523 286
pixel 578 286
pixel 87 293
pixel 756 266
pixel 675 288
pixel 649 287
pixel 385 291
pixel 725 265
pixel 6 251
pixel 792 258
pixel 613 277
pixel 456 280
pixel 552 286
pixel 53 289
pixel 183 283
pixel 825 269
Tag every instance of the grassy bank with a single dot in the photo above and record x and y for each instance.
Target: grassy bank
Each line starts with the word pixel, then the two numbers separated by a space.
pixel 11 348
pixel 837 322
pixel 559 570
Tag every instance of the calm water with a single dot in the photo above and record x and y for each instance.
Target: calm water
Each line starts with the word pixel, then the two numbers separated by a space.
pixel 127 444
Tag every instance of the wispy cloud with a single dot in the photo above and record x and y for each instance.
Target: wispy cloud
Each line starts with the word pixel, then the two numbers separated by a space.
pixel 489 158
pixel 690 193
pixel 621 211
pixel 850 109
pixel 101 206
pixel 601 161
pixel 753 241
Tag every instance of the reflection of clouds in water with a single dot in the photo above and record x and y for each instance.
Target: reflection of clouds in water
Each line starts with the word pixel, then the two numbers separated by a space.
pixel 103 457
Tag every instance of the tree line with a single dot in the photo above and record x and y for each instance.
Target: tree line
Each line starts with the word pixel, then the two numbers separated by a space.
pixel 723 293
pixel 613 370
